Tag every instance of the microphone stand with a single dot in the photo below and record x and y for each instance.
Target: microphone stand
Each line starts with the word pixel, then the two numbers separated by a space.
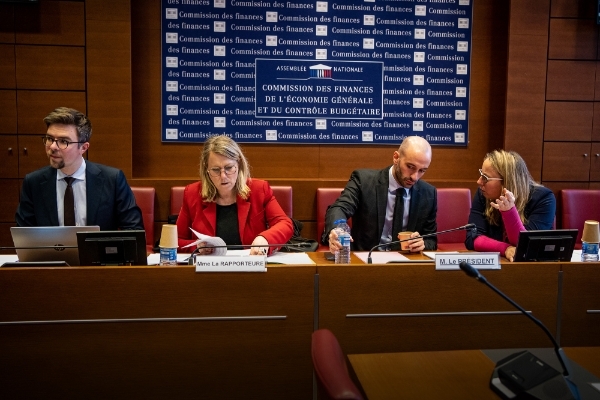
pixel 460 228
pixel 524 372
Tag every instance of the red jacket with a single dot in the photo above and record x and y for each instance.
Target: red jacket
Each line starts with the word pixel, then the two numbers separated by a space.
pixel 259 215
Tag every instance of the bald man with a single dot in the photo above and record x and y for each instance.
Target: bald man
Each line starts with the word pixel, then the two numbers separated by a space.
pixel 369 198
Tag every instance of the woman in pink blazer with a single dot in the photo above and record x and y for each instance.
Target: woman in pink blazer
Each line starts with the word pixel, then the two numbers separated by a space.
pixel 229 204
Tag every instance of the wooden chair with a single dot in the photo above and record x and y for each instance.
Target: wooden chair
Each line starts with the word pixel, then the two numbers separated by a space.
pixel 453 208
pixel 144 197
pixel 330 367
pixel 577 206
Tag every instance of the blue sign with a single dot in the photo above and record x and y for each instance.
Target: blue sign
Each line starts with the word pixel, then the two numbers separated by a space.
pixel 316 72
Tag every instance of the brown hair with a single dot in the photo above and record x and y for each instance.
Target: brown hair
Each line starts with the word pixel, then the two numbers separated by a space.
pixel 70 116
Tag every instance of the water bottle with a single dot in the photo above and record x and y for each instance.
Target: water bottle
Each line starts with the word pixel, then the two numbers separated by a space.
pixel 589 251
pixel 343 232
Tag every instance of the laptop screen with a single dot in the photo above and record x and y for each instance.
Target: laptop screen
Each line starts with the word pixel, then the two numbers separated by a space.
pixel 30 242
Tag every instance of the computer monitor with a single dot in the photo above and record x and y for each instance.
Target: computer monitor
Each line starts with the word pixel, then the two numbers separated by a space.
pixel 126 247
pixel 547 245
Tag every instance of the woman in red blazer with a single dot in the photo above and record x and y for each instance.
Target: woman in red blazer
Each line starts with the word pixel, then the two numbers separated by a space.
pixel 229 204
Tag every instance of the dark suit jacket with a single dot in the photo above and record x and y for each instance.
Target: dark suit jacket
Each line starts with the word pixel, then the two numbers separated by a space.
pixel 260 214
pixel 365 199
pixel 539 212
pixel 110 201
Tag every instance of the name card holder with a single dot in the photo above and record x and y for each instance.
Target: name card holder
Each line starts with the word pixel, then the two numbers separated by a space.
pixel 236 263
pixel 451 261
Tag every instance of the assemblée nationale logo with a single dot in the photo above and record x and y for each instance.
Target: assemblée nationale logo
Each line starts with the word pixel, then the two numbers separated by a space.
pixel 320 71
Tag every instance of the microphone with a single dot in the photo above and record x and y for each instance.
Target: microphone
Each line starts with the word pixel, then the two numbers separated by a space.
pixel 523 373
pixel 460 228
pixel 297 246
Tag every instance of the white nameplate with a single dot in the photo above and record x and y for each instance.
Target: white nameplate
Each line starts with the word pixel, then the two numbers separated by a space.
pixel 244 263
pixel 451 261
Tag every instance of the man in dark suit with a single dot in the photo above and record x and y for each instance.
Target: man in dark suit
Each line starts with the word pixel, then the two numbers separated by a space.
pixel 99 195
pixel 369 198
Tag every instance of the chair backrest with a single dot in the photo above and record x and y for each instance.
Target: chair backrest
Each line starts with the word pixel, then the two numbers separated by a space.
pixel 330 366
pixel 176 199
pixel 579 205
pixel 325 198
pixel 144 197
pixel 453 208
pixel 283 194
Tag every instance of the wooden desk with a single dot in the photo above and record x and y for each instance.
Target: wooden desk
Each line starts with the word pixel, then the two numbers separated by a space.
pixel 580 316
pixel 460 375
pixel 155 333
pixel 448 375
pixel 413 307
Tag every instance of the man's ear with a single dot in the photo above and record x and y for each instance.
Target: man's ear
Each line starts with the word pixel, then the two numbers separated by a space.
pixel 84 147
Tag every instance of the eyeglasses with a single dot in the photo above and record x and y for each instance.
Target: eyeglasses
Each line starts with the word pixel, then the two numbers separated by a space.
pixel 216 171
pixel 486 178
pixel 61 143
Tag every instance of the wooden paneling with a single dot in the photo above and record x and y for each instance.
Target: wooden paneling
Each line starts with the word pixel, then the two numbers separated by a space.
pixel 108 53
pixel 568 121
pixel 204 354
pixel 32 154
pixel 525 99
pixel 571 80
pixel 57 22
pixel 33 106
pixel 566 161
pixel 580 294
pixel 573 8
pixel 9 156
pixel 8 111
pixel 50 67
pixel 7 67
pixel 9 200
pixel 115 10
pixel 351 295
pixel 595 163
pixel 529 18
pixel 573 39
pixel 596 123
pixel 597 85
pixel 5 236
pixel 7 21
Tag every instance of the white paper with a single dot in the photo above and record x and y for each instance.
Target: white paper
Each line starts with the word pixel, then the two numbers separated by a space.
pixel 298 258
pixel 217 242
pixel 384 257
pixel 431 254
pixel 4 258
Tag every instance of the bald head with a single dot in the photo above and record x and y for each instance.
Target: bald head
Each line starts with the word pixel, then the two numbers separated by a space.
pixel 415 145
pixel 411 160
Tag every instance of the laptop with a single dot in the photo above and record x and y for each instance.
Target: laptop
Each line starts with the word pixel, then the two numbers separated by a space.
pixel 29 239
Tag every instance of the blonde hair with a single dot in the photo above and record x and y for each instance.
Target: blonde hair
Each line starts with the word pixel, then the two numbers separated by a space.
pixel 225 146
pixel 516 178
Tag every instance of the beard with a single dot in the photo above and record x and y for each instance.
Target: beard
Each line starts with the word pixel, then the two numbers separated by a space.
pixel 56 164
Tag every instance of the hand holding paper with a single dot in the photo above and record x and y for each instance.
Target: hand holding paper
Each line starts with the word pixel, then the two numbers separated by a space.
pixel 208 242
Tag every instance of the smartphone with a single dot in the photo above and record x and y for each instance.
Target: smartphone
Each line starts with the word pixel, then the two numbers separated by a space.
pixel 329 256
